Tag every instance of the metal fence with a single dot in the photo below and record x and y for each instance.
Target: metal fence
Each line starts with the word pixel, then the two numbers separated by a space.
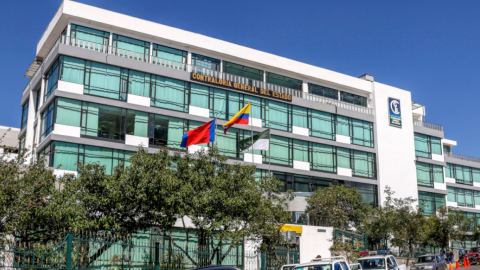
pixel 103 251
pixel 458 156
pixel 420 123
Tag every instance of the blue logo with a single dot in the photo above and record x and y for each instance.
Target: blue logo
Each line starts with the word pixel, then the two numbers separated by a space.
pixel 395 112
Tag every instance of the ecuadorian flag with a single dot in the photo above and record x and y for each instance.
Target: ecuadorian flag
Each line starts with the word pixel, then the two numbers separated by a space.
pixel 240 118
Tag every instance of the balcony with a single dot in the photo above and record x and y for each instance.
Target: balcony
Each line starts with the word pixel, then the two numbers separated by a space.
pixel 102 48
pixel 458 156
pixel 424 124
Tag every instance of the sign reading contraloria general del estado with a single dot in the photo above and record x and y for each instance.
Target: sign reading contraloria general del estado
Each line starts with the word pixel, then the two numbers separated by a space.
pixel 241 86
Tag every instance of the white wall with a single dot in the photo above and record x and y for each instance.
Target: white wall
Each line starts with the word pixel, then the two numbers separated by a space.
pixel 313 243
pixel 396 149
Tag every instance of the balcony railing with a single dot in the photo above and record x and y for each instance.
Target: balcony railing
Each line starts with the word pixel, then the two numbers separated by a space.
pixel 304 219
pixel 103 48
pixel 420 123
pixel 453 155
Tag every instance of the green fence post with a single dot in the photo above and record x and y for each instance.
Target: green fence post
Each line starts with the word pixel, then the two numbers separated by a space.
pixel 157 255
pixel 69 250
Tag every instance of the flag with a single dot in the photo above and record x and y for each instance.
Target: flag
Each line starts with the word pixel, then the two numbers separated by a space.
pixel 203 134
pixel 240 118
pixel 261 141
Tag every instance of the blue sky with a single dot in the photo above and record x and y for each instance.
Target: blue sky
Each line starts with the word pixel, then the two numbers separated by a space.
pixel 430 48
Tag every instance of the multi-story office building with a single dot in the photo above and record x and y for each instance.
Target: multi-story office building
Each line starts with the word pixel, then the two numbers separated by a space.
pixel 102 83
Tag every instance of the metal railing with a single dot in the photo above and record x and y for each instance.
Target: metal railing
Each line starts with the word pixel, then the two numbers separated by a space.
pixel 420 123
pixel 458 156
pixel 103 48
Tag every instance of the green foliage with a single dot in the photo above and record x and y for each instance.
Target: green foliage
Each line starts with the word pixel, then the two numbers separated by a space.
pixel 32 207
pixel 225 203
pixel 342 207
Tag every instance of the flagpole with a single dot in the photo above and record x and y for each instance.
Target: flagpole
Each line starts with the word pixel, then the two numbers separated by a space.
pixel 251 125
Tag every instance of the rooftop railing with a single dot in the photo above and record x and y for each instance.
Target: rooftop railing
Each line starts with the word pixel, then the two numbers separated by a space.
pixel 103 48
pixel 458 156
pixel 420 123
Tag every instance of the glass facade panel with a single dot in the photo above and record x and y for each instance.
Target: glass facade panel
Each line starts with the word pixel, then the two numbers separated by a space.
pixel 322 91
pixel 300 150
pixel 105 81
pixel 430 202
pixel 463 197
pixel 68 112
pixel 227 143
pixel 323 157
pixel 343 158
pixel 72 70
pixel 201 62
pixel 169 94
pixel 137 123
pixel 24 114
pixel 243 71
pixel 199 95
pixel 283 81
pixel 280 151
pixel 166 131
pixel 343 125
pixel 426 145
pixel 462 174
pixel 354 99
pixel 170 54
pixel 363 164
pixel 322 125
pixel 278 115
pixel 103 121
pixel 52 79
pixel 362 132
pixel 300 116
pixel 139 83
pixel 80 33
pixel 47 121
pixel 130 47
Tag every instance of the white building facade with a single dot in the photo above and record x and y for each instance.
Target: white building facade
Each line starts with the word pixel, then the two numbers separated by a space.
pixel 102 83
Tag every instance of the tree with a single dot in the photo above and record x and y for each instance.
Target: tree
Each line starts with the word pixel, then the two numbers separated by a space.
pixel 342 207
pixel 377 228
pixel 31 207
pixel 445 225
pixel 222 204
pixel 407 223
pixel 346 248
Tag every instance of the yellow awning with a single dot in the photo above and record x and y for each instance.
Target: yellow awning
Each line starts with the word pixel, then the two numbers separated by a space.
pixel 297 229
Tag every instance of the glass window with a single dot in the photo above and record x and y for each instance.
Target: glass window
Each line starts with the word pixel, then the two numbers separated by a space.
pixel 47 121
pixel 300 116
pixel 362 132
pixel 280 151
pixel 343 125
pixel 300 150
pixel 426 145
pixel 372 263
pixel 369 192
pixel 322 91
pixel 73 70
pixel 203 64
pixel 199 95
pixel 166 131
pixel 138 83
pixel 24 114
pixel 103 121
pixel 323 157
pixel 430 202
pixel 243 71
pixel 278 115
pixel 463 197
pixel 257 106
pixel 68 112
pixel 105 81
pixel 354 99
pixel 79 34
pixel 227 143
pixel 130 47
pixel 283 81
pixel 363 164
pixel 169 94
pixel 65 156
pixel 427 174
pixel 52 79
pixel 343 158
pixel 137 123
pixel 322 124
pixel 170 54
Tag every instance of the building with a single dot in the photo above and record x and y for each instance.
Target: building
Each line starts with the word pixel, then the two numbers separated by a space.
pixel 102 83
pixel 9 138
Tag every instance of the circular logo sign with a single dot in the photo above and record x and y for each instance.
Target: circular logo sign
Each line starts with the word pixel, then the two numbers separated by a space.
pixel 394 106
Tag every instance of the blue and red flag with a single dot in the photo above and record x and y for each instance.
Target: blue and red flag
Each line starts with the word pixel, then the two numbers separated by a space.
pixel 240 118
pixel 203 134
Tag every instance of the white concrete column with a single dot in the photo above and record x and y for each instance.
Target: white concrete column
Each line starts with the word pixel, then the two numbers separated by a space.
pixel 30 121
pixel 42 90
pixel 110 43
pixel 189 67
pixel 305 87
pixel 69 30
pixel 150 53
